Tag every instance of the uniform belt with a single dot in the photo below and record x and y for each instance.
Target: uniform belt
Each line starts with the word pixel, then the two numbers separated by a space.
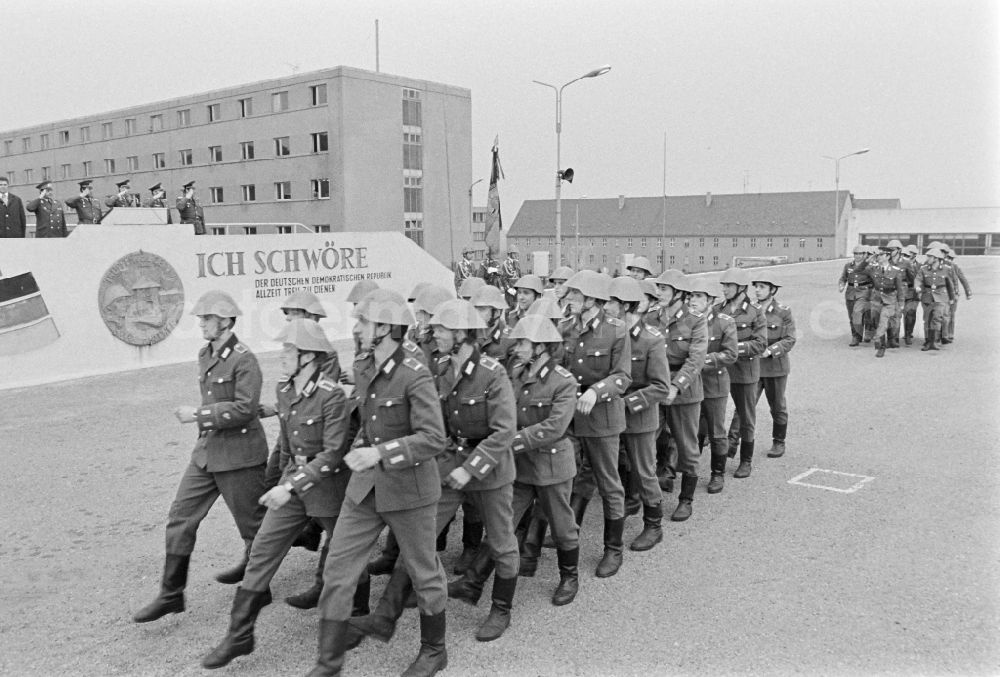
pixel 302 460
pixel 860 285
pixel 467 442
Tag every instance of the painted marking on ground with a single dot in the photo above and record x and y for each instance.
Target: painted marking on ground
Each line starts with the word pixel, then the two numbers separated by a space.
pixel 831 480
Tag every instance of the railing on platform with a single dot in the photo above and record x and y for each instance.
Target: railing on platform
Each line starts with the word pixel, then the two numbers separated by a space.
pixel 227 228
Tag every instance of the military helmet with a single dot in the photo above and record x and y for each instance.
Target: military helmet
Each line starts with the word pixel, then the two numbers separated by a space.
pixel 216 302
pixel 532 282
pixel 766 278
pixel 681 283
pixel 488 296
pixel 537 329
pixel 911 249
pixel 305 335
pixel 860 249
pixel 700 285
pixel 384 306
pixel 458 314
pixel 625 289
pixel 360 289
pixel 470 285
pixel 935 252
pixel 668 276
pixel 642 263
pixel 590 283
pixel 935 244
pixel 430 297
pixel 512 249
pixel 304 300
pixel 417 288
pixel 648 287
pixel 737 276
pixel 467 249
pixel 894 244
pixel 561 273
pixel 547 307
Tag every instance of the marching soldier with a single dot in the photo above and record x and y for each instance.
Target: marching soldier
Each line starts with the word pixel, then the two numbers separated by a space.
pixel 957 276
pixel 190 209
pixel 639 268
pixel 466 268
pixel 228 458
pixel 774 362
pixel 158 198
pixel 910 301
pixel 395 482
pixel 88 209
pixel 527 290
pixel 557 282
pixel 123 198
pixel 887 296
pixel 49 218
pixel 936 290
pixel 490 304
pixel 658 315
pixel 856 286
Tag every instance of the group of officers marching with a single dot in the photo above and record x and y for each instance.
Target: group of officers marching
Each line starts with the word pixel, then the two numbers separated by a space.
pixel 518 415
pixel 884 285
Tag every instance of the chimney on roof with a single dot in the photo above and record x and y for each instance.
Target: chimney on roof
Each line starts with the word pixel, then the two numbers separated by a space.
pixel 708 199
pixel 621 202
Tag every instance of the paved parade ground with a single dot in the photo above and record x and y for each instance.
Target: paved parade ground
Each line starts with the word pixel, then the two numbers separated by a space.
pixel 871 547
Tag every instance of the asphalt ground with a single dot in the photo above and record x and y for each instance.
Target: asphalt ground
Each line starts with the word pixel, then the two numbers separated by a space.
pixel 899 577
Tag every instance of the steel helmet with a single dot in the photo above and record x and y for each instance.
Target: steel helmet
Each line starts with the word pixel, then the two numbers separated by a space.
pixel 430 297
pixel 590 283
pixel 417 288
pixel 537 329
pixel 488 296
pixel 626 289
pixel 512 249
pixel 305 335
pixel 304 300
pixel 648 287
pixel 561 273
pixel 935 252
pixel 895 244
pixel 737 276
pixel 547 307
pixel 467 249
pixel 681 283
pixel 384 306
pixel 911 249
pixel 766 278
pixel 216 302
pixel 360 290
pixel 860 249
pixel 642 263
pixel 458 314
pixel 532 282
pixel 700 285
pixel 668 276
pixel 470 285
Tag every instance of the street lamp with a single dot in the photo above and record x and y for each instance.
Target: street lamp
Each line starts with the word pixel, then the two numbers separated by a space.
pixel 560 173
pixel 836 161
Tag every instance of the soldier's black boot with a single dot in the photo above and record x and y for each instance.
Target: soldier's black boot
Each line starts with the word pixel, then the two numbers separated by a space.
pixel 718 480
pixel 499 618
pixel 611 561
pixel 235 574
pixel 433 655
pixel 929 341
pixel 472 538
pixel 778 433
pixel 362 595
pixel 381 624
pixel 469 588
pixel 386 561
pixel 893 337
pixel 935 334
pixel 171 597
pixel 880 347
pixel 746 458
pixel 855 337
pixel 569 576
pixel 239 640
pixel 332 646
pixel 310 536
pixel 652 531
pixel 310 598
pixel 734 445
pixel 683 510
pixel 531 548
pixel 579 506
pixel 908 323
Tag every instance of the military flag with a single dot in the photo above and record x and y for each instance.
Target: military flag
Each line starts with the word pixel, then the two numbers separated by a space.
pixel 496 239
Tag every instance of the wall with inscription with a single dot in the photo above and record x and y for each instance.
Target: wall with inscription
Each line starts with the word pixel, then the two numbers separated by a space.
pixel 112 298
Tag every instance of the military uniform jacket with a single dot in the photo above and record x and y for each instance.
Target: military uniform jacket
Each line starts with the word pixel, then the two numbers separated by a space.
pixel 491 341
pixel 909 274
pixel 934 286
pixel 650 377
pixel 888 283
pixel 229 433
pixel 311 443
pixel 510 272
pixel 88 209
pixel 687 343
pixel 957 276
pixel 478 408
pixel 49 218
pixel 720 354
pixel 514 315
pixel 546 400
pixel 126 200
pixel 159 202
pixel 191 211
pixel 751 337
pixel 780 340
pixel 401 417
pixel 599 355
pixel 659 315
pixel 464 271
pixel 857 282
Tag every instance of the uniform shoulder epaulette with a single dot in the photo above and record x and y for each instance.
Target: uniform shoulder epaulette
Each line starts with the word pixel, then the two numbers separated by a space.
pixel 240 348
pixel 695 313
pixel 652 330
pixel 614 322
pixel 563 371
pixel 284 378
pixel 781 306
pixel 723 316
pixel 488 362
pixel 362 355
pixel 413 363
pixel 409 346
pixel 442 358
pixel 326 384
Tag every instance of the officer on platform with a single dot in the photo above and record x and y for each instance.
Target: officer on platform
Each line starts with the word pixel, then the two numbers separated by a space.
pixel 49 218
pixel 123 198
pixel 190 209
pixel 228 458
pixel 466 268
pixel 88 209
pixel 774 362
pixel 158 198
pixel 510 272
pixel 856 285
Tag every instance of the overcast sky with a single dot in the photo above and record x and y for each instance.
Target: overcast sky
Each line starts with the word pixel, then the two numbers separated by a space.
pixel 749 94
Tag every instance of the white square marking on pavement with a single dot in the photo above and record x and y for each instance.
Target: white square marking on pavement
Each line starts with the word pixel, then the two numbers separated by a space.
pixel 833 476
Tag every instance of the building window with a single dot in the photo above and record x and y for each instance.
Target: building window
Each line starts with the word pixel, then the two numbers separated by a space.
pixel 629 243
pixel 701 242
pixel 414 229
pixel 413 196
pixel 44 141
pixel 802 242
pixel 216 194
pixel 282 146
pixel 214 112
pixel 283 190
pixel 26 144
pixel 701 260
pixel 10 177
pixel 322 228
pixel 736 242
pixel 129 126
pixel 64 137
pixel 8 147
pixel 186 157
pixel 132 162
pixel 184 117
pixel 284 230
pixel 46 173
pixel 84 134
pixel 87 168
pixel 320 189
pixel 753 242
pixel 411 108
pixel 317 93
pixel 65 171
pixel 249 230
pixel 246 150
pixel 802 258
pixel 552 241
pixel 715 242
pixel 156 123
pixel 687 243
pixel 249 191
pixel 673 259
pixel 215 153
pixel 479 236
pixel 769 242
pixel 413 152
pixel 29 175
pixel 604 258
pixel 604 242
pixel 715 260
pixel 659 243
pixel 159 160
pixel 590 258
pixel 109 166
pixel 279 102
pixel 642 243
pixel 320 143
pixel 819 242
pixel 246 108
pixel 784 242
pixel 672 242
pixel 107 130
pixel 218 230
pixel 659 259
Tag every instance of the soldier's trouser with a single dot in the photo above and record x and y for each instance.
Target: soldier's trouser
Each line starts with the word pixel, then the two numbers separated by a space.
pixel 774 388
pixel 553 499
pixel 935 314
pixel 641 450
pixel 882 312
pixel 744 411
pixel 684 425
pixel 274 539
pixel 949 331
pixel 666 446
pixel 856 309
pixel 713 411
pixel 198 491
pixel 910 316
pixel 354 538
pixel 496 508
pixel 600 469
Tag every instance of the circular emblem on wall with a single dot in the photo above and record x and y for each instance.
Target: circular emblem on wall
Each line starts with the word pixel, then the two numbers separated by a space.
pixel 141 298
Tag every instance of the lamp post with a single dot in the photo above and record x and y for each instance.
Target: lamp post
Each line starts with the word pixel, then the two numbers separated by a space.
pixel 567 174
pixel 836 161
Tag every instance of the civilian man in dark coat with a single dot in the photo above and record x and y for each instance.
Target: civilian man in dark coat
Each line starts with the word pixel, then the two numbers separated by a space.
pixel 11 212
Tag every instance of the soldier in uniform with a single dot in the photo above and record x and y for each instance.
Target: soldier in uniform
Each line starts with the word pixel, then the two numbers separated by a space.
pixel 887 296
pixel 88 209
pixel 774 362
pixel 49 218
pixel 936 290
pixel 466 268
pixel 557 282
pixel 910 301
pixel 395 482
pixel 527 290
pixel 510 272
pixel 668 303
pixel 598 353
pixel 856 286
pixel 639 268
pixel 957 277
pixel 744 373
pixel 123 198
pixel 158 198
pixel 190 209
pixel 491 304
pixel 489 271
pixel 229 457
